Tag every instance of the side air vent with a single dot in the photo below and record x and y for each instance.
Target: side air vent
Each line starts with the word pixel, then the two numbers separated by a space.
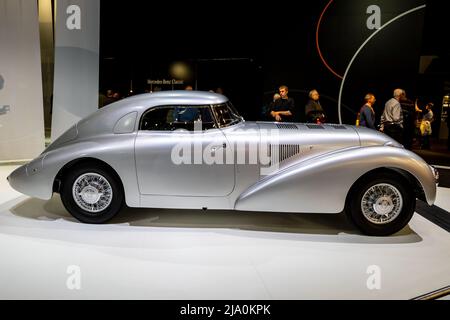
pixel 285 126
pixel 337 126
pixel 315 127
pixel 282 152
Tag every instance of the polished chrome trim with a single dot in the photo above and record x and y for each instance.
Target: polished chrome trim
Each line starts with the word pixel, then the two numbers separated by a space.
pixel 92 192
pixel 381 203
pixel 437 294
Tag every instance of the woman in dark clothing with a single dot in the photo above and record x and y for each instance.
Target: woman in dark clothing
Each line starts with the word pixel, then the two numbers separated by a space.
pixel 367 114
pixel 313 110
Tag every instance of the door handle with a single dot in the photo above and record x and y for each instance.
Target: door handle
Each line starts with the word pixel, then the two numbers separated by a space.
pixel 215 148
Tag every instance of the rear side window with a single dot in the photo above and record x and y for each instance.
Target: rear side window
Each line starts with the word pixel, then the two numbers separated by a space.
pixel 126 123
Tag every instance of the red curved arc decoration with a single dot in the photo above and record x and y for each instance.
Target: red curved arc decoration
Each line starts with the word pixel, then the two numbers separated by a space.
pixel 317 42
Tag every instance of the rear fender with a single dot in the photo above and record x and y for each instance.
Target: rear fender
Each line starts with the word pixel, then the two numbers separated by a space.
pixel 37 178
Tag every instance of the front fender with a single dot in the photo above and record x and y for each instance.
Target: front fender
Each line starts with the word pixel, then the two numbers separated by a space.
pixel 321 185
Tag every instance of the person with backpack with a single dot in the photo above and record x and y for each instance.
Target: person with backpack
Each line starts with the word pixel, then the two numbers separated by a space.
pixel 425 126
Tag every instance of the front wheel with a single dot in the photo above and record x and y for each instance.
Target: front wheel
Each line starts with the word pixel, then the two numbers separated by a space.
pixel 381 205
pixel 91 194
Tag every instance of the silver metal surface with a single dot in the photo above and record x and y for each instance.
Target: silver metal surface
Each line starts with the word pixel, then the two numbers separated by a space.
pixel 314 166
pixel 158 175
pixel 382 203
pixel 92 192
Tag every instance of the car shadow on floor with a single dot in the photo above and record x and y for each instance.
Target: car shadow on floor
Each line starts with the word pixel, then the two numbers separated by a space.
pixel 320 227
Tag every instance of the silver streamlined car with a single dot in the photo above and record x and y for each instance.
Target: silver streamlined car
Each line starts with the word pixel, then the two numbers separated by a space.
pixel 192 150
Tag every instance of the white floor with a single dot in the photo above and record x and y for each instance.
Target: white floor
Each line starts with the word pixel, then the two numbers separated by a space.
pixel 172 254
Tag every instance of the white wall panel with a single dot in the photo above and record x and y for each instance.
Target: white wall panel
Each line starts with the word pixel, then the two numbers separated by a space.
pixel 22 127
pixel 75 92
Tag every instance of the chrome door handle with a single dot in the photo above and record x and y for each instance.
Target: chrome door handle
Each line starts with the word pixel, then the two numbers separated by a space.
pixel 215 148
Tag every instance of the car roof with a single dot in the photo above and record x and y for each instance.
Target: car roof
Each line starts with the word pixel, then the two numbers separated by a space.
pixel 177 97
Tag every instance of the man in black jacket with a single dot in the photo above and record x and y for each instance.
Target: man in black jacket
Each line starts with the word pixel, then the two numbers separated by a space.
pixel 448 126
pixel 409 120
pixel 367 114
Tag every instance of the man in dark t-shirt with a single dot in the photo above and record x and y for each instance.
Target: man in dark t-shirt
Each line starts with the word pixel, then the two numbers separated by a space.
pixel 282 110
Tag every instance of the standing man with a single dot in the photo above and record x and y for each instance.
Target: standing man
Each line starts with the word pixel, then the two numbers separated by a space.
pixel 283 109
pixel 313 110
pixel 409 120
pixel 367 114
pixel 392 117
pixel 448 126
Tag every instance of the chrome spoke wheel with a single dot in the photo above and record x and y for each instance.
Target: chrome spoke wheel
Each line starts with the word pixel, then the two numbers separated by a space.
pixel 382 203
pixel 92 192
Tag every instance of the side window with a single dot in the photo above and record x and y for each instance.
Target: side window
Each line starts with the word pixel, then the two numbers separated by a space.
pixel 157 119
pixel 177 117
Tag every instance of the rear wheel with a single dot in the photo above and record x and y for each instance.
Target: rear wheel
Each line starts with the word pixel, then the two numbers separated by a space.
pixel 381 204
pixel 92 194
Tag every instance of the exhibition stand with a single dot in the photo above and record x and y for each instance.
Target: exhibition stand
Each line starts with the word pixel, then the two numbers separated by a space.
pixel 189 254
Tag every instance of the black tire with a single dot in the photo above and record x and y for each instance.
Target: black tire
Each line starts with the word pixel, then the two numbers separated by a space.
pixel 354 205
pixel 116 200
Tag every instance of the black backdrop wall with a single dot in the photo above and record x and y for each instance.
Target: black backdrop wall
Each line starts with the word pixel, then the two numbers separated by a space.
pixel 249 51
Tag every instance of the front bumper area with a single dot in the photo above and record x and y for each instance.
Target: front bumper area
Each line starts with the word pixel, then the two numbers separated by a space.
pixel 33 185
pixel 435 174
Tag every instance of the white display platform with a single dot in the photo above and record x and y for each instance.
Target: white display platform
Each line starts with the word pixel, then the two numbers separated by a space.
pixel 175 254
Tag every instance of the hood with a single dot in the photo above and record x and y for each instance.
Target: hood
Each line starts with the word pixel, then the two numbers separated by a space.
pixel 370 137
pixel 293 142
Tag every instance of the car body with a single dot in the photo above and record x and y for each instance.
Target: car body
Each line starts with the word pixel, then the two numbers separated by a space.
pixel 129 153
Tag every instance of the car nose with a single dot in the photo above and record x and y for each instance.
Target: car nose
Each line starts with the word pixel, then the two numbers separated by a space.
pixel 18 176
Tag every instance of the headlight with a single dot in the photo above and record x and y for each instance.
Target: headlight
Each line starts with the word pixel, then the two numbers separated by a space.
pixel 36 165
pixel 435 173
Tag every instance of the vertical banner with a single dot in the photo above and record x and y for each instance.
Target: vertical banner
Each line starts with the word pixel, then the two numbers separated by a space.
pixel 21 109
pixel 75 93
pixel 47 57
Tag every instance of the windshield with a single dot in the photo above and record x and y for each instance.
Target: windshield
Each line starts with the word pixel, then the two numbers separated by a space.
pixel 226 114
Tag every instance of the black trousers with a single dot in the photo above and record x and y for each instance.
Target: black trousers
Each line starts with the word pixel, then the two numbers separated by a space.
pixel 426 142
pixel 394 131
pixel 448 139
pixel 408 135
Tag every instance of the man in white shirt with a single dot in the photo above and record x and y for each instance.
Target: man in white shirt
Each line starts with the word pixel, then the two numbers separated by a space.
pixel 392 117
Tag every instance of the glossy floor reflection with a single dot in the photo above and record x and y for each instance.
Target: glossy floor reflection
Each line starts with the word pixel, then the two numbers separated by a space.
pixel 192 254
pixel 305 227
